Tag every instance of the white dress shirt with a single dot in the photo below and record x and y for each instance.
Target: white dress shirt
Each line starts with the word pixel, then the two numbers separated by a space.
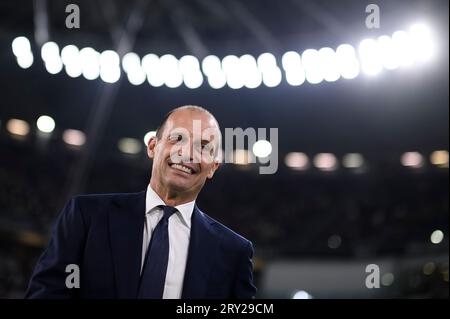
pixel 179 235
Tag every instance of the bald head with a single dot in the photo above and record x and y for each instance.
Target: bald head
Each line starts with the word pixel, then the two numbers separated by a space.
pixel 191 108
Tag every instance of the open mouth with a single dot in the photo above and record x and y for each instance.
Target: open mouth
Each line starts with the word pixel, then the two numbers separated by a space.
pixel 182 168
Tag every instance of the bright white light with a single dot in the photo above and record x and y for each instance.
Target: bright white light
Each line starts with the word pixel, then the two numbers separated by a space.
pixel 437 237
pixel 136 76
pixel 70 57
pixel 439 158
pixel 211 64
pixel 231 67
pixel 353 160
pixel 131 61
pixel 129 146
pixel 325 161
pixel 25 60
pixel 301 294
pixel 54 65
pixel 291 60
pixel 153 68
pixel 422 42
pixel 45 124
pixel 412 159
pixel 272 77
pixel 18 127
pixel 21 46
pixel 22 50
pixel 169 61
pixel 292 65
pixel 49 51
pixel 50 55
pixel 329 64
pixel 172 74
pixel 90 63
pixel 250 72
pixel 212 68
pixel 262 148
pixel 271 73
pixel 403 48
pixel 297 161
pixel 74 137
pixel 347 62
pixel 173 79
pixel 234 81
pixel 109 66
pixel 370 55
pixel 193 80
pixel 217 80
pixel 295 78
pixel 148 136
pixel 189 63
pixel 190 70
pixel 266 61
pixel 131 64
pixel 311 63
pixel 69 53
pixel 388 55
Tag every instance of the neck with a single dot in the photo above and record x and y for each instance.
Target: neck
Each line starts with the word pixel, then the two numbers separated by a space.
pixel 170 197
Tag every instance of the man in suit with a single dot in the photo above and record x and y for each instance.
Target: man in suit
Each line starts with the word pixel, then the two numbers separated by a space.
pixel 156 243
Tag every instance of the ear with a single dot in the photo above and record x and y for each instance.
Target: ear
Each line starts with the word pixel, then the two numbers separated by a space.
pixel 213 169
pixel 151 147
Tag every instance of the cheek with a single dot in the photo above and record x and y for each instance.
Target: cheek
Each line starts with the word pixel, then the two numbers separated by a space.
pixel 206 169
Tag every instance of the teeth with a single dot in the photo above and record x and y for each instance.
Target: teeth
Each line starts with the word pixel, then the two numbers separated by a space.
pixel 182 168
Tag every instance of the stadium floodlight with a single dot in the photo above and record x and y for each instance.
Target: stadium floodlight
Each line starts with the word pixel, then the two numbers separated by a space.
pixel 347 61
pixel 70 57
pixel 173 77
pixel 297 161
pixel 21 46
pixel 18 127
pixel 329 64
pixel 325 162
pixel 109 66
pixel 74 137
pixel 90 63
pixel 262 148
pixel 370 56
pixel 293 68
pixel 153 69
pixel 45 124
pixel 412 159
pixel 311 63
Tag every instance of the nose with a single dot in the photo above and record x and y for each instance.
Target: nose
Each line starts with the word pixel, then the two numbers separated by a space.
pixel 185 152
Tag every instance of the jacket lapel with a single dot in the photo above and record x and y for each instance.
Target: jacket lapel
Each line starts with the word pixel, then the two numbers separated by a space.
pixel 126 225
pixel 203 246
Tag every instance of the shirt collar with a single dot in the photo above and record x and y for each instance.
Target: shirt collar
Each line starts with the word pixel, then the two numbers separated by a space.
pixel 153 200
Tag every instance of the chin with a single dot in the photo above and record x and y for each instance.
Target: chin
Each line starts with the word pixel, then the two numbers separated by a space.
pixel 179 187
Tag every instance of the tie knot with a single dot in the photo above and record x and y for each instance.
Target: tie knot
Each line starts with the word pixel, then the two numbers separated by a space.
pixel 168 211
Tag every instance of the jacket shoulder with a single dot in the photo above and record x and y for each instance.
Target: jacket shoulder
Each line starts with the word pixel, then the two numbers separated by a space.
pixel 102 199
pixel 228 234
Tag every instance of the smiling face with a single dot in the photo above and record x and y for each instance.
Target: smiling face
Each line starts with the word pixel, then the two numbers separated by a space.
pixel 184 152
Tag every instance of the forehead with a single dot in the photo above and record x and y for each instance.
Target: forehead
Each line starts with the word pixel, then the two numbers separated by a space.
pixel 185 119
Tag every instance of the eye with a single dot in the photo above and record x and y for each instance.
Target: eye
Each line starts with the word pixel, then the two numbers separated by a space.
pixel 175 137
pixel 208 148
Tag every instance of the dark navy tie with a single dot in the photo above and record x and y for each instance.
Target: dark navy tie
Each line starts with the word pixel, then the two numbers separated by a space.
pixel 153 274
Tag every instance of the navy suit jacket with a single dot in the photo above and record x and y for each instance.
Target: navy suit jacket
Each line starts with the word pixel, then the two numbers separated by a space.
pixel 102 234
